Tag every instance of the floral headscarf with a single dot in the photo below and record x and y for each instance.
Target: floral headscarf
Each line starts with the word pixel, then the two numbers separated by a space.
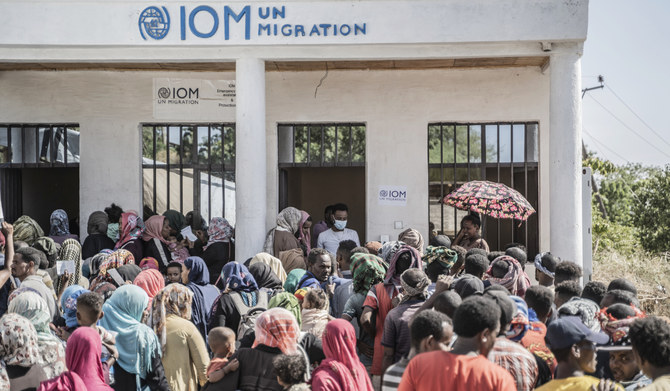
pixel 219 230
pixel 175 299
pixel 149 263
pixel 413 238
pixel 617 329
pixel 114 260
pixel 33 307
pixel 68 303
pixel 236 277
pixel 18 341
pixel 130 228
pixel 60 225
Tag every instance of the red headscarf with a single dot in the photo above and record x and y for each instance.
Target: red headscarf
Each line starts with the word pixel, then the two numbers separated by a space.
pixel 149 263
pixel 151 281
pixel 277 328
pixel 129 229
pixel 341 365
pixel 67 381
pixel 153 228
pixel 82 356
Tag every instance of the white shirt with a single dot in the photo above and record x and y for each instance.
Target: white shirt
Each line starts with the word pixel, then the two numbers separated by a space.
pixel 330 240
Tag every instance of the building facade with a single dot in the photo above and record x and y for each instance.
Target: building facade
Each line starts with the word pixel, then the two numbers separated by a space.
pixel 242 108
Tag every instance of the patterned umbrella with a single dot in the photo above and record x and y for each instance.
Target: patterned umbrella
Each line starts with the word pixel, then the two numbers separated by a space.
pixel 492 199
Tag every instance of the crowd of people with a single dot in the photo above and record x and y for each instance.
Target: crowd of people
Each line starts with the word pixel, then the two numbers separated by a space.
pixel 143 305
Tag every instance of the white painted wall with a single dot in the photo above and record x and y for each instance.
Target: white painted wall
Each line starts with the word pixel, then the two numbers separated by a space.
pixel 395 105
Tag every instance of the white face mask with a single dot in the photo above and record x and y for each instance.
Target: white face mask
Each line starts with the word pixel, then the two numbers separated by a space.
pixel 340 224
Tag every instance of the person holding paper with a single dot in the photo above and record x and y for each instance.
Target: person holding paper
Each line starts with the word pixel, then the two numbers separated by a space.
pixel 155 235
pixel 219 249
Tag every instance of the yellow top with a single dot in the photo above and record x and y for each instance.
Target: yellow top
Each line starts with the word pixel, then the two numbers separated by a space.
pixel 185 358
pixel 580 383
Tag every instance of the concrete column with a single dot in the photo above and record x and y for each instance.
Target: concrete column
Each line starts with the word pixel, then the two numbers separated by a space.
pixel 250 158
pixel 565 142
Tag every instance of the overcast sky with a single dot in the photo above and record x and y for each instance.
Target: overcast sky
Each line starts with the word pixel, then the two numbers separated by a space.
pixel 628 43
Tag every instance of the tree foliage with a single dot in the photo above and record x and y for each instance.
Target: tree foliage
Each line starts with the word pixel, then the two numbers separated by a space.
pixel 651 214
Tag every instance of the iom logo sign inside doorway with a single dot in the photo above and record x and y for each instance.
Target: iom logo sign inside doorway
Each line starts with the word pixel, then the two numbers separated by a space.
pixel 154 22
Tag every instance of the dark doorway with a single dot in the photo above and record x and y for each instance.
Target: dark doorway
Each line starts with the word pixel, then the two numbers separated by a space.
pixel 313 188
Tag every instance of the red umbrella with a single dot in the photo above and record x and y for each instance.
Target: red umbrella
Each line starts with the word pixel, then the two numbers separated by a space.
pixel 492 199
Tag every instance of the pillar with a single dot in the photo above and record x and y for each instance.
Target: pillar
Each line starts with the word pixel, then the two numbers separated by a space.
pixel 250 158
pixel 565 142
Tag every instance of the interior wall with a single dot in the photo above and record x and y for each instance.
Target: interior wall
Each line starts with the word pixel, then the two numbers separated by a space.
pixel 312 189
pixel 47 189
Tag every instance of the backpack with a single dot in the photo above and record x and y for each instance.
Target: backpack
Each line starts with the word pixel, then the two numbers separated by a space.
pixel 248 315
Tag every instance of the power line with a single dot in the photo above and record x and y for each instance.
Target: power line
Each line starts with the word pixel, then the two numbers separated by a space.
pixel 601 144
pixel 628 127
pixel 636 115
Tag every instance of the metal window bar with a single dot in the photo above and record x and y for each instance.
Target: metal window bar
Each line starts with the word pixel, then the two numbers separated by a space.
pixel 46 150
pixel 344 130
pixel 525 165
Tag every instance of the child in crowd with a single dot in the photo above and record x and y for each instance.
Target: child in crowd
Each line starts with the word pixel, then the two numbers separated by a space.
pixel 222 344
pixel 174 272
pixel 291 371
pixel 89 311
pixel 315 315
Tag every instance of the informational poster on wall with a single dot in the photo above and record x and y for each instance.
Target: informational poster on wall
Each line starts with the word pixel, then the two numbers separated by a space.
pixel 392 195
pixel 194 99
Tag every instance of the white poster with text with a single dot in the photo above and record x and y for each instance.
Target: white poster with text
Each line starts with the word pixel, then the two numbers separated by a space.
pixel 179 99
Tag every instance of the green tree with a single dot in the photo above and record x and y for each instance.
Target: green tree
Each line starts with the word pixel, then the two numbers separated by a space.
pixel 651 214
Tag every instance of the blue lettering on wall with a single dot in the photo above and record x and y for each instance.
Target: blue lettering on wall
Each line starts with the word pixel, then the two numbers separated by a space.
pixel 154 22
pixel 215 18
pixel 228 13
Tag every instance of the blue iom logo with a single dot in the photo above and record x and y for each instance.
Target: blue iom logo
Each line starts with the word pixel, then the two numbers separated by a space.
pixel 155 22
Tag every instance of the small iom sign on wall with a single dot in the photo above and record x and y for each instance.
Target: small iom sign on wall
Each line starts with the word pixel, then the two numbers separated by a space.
pixel 392 195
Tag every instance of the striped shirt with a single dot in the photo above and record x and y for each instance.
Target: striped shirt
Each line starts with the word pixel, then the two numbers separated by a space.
pixel 393 375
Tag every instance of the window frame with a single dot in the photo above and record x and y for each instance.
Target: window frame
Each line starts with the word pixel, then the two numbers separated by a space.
pixel 53 145
pixel 322 163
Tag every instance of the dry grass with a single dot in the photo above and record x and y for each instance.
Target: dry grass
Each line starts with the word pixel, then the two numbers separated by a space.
pixel 650 274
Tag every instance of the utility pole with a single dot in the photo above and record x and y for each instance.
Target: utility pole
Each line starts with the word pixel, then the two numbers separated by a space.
pixel 601 205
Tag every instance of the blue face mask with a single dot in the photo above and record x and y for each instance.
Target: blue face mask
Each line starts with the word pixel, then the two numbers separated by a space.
pixel 340 224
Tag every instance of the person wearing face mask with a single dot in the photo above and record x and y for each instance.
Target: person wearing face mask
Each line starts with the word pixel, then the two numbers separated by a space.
pixel 331 238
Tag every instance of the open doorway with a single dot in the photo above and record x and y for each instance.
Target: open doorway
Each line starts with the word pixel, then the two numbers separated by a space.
pixel 39 172
pixel 323 164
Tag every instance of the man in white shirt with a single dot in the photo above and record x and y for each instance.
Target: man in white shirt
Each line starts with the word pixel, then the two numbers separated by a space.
pixel 330 239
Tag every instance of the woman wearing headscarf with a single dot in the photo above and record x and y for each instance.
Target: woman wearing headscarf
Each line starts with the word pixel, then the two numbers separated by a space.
pixel 413 238
pixel 439 260
pixel 185 356
pixel 273 262
pixel 276 332
pixel 128 274
pixel 97 239
pixel 47 245
pixel 71 251
pixel 139 361
pixel 283 236
pixel 196 277
pixel 341 370
pixel 219 249
pixel 68 305
pixel 27 230
pixel 20 362
pixel 304 232
pixel 155 235
pixel 83 361
pixel 515 278
pixel 130 234
pixel 113 260
pixel 60 227
pixel 266 279
pixel 292 259
pixel 177 222
pixel 152 281
pixel 400 257
pixel 239 294
pixel 32 306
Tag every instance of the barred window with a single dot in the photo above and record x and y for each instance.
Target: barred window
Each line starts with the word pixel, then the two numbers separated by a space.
pixel 189 167
pixel 321 145
pixel 497 152
pixel 39 145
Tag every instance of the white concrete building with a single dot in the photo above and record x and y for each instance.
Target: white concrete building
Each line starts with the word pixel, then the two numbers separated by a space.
pixel 259 101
